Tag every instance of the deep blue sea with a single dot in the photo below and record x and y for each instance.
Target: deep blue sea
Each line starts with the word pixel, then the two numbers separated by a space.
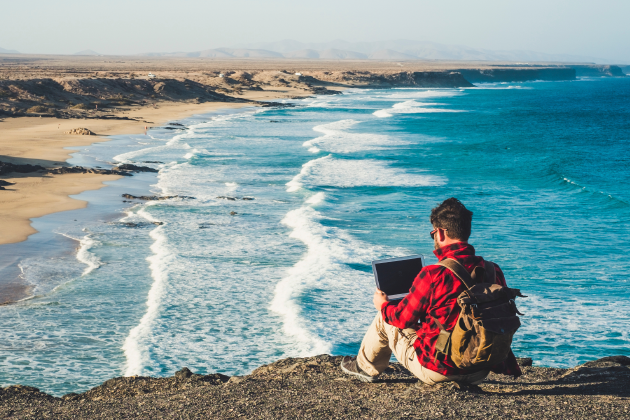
pixel 329 185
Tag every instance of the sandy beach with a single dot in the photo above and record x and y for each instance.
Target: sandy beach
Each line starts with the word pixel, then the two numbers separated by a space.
pixel 41 141
pixel 41 97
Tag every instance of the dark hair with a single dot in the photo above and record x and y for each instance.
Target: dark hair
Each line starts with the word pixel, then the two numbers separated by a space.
pixel 453 216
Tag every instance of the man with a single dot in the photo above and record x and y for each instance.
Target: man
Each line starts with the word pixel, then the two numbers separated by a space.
pixel 407 328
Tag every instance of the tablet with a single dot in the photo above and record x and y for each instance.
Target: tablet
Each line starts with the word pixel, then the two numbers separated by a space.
pixel 395 276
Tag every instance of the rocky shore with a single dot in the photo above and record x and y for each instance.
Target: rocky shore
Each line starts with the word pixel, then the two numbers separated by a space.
pixel 315 387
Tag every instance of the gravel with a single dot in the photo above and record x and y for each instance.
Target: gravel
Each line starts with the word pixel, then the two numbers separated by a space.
pixel 315 387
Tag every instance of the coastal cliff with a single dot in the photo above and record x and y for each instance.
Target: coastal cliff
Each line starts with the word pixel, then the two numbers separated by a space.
pixel 518 74
pixel 596 70
pixel 109 97
pixel 315 387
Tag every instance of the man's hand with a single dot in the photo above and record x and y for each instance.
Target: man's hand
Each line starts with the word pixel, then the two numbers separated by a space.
pixel 379 299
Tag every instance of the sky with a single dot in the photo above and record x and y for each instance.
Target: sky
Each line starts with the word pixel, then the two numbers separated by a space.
pixel 578 27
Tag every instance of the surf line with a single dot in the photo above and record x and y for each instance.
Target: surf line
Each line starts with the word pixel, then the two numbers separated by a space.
pixel 83 253
pixel 299 277
pixel 158 264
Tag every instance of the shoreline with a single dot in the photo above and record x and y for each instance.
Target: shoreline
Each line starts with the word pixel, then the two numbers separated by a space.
pixel 41 141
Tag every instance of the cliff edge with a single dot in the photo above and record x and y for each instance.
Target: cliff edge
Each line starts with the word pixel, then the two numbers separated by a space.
pixel 315 387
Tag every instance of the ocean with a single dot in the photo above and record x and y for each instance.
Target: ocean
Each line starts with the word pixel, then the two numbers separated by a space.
pixel 266 251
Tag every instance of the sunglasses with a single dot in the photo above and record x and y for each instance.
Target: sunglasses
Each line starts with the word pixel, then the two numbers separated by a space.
pixel 434 231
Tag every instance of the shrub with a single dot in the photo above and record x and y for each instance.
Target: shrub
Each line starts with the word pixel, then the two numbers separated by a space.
pixel 38 109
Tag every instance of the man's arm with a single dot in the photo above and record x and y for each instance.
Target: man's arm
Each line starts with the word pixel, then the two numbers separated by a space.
pixel 413 307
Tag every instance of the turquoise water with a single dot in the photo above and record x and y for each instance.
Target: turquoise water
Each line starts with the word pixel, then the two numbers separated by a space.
pixel 335 182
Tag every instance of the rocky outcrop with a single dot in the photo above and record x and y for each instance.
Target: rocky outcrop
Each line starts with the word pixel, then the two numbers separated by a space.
pixel 155 197
pixel 595 70
pixel 7 168
pixel 80 132
pixel 71 97
pixel 518 74
pixel 82 170
pixel 223 197
pixel 445 79
pixel 133 168
pixel 315 387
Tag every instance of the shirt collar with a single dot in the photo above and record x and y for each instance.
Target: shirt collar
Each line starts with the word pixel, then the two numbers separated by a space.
pixel 457 249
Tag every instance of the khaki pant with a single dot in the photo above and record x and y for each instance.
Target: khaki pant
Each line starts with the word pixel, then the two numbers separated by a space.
pixel 382 339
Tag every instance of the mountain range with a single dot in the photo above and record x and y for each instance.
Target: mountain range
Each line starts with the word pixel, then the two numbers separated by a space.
pixel 394 50
pixel 3 51
pixel 384 50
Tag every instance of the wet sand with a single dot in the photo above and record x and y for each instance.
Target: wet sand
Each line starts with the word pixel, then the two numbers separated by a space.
pixel 41 141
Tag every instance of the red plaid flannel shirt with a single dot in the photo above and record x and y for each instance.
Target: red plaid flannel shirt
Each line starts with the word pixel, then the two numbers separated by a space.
pixel 434 293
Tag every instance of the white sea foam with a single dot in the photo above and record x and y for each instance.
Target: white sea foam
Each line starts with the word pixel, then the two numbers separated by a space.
pixel 415 94
pixel 84 255
pixel 174 143
pixel 135 353
pixel 323 268
pixel 412 107
pixel 345 173
pixel 337 139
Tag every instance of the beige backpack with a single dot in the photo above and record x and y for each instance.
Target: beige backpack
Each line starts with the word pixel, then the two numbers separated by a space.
pixel 487 321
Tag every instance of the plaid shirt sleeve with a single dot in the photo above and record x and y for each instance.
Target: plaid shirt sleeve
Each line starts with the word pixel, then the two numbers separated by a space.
pixel 434 292
pixel 414 306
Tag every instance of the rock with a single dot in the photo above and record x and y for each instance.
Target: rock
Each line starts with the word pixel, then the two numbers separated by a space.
pixel 82 170
pixel 525 361
pixel 315 387
pixel 7 168
pixel 613 367
pixel 4 183
pixel 233 213
pixel 184 373
pixel 80 132
pixel 224 197
pixel 134 168
pixel 156 197
pixel 609 361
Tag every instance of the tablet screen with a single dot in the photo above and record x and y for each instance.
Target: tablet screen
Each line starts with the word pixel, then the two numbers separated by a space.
pixel 395 276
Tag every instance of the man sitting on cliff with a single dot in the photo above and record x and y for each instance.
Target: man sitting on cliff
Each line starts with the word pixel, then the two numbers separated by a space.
pixel 407 328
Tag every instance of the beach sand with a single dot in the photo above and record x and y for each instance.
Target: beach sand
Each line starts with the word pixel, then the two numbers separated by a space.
pixel 41 141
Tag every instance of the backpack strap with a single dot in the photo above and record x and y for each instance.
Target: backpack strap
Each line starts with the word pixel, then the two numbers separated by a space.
pixel 491 272
pixel 443 344
pixel 459 271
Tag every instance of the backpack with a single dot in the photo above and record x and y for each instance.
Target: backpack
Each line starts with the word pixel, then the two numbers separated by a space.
pixel 487 321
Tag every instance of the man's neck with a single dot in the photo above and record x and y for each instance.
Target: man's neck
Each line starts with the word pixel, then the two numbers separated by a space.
pixel 450 241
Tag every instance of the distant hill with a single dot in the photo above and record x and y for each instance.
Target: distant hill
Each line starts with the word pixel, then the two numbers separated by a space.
pixel 3 51
pixel 391 55
pixel 335 54
pixel 404 49
pixel 86 52
pixel 399 50
pixel 222 53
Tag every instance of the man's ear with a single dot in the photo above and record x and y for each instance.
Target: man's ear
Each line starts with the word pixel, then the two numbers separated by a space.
pixel 442 235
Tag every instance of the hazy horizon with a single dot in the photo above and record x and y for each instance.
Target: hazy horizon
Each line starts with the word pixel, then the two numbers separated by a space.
pixel 583 28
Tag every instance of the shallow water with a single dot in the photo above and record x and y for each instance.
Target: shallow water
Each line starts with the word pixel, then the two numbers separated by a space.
pixel 336 182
